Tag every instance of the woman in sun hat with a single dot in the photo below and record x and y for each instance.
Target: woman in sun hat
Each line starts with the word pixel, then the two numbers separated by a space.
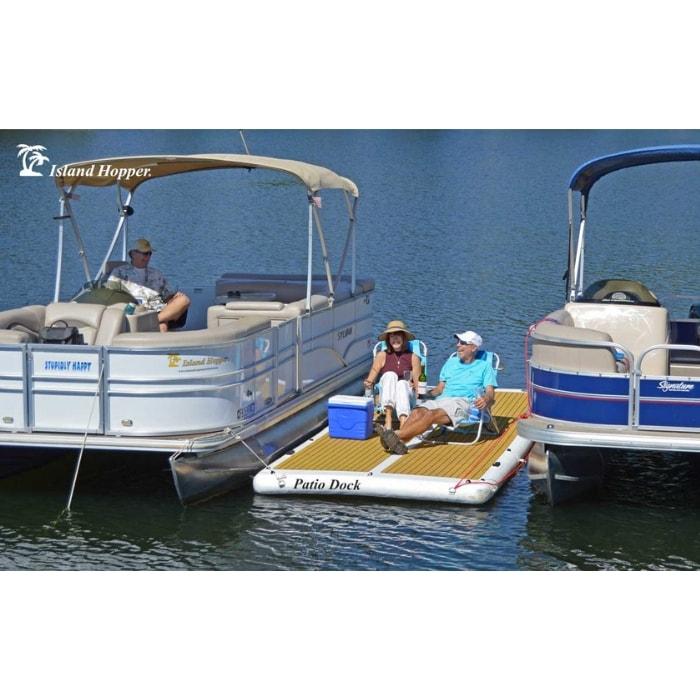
pixel 398 370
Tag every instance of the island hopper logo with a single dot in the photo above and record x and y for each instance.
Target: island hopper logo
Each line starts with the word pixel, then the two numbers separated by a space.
pixel 32 157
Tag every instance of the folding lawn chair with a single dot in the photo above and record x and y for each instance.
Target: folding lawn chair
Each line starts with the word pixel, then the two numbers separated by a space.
pixel 483 421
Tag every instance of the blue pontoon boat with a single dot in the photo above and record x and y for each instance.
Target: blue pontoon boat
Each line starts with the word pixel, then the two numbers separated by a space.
pixel 609 369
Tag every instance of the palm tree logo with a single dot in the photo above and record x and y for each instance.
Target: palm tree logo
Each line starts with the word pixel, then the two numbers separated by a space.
pixel 31 156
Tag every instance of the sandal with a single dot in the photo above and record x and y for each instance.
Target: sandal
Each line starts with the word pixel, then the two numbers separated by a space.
pixel 391 442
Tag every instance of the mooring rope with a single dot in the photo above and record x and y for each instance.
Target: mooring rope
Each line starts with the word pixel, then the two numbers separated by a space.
pixel 82 448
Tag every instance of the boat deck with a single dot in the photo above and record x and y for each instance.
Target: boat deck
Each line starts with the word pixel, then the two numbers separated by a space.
pixel 330 465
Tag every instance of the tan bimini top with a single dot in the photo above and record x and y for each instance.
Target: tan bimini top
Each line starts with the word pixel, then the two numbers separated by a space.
pixel 131 171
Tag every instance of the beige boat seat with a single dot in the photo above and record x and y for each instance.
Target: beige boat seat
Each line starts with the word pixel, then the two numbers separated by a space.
pixel 21 325
pixel 86 317
pixel 276 311
pixel 143 320
pixel 113 323
pixel 13 337
pixel 634 327
pixel 568 357
pixel 198 338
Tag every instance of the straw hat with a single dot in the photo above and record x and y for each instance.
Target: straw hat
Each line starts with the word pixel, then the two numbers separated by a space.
pixel 396 326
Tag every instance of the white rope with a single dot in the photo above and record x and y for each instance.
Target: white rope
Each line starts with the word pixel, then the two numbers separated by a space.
pixel 253 452
pixel 87 428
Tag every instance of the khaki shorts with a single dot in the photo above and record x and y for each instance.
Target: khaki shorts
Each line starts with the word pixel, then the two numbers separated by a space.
pixel 457 409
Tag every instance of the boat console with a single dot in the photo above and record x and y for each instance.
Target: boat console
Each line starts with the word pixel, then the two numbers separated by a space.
pixel 619 291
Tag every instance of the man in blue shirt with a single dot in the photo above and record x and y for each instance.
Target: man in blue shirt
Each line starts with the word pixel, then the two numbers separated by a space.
pixel 465 381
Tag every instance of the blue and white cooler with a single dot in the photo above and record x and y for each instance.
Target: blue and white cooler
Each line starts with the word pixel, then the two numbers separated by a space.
pixel 350 417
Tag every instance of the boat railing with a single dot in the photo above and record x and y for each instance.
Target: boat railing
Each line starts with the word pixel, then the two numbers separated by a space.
pixel 678 383
pixel 602 344
pixel 635 392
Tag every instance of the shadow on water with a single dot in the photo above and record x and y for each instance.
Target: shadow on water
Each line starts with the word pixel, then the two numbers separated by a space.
pixel 646 516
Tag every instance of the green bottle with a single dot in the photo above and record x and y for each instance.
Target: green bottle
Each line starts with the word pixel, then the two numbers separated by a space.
pixel 422 381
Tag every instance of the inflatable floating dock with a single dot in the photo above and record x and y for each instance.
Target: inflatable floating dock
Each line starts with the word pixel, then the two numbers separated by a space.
pixel 466 474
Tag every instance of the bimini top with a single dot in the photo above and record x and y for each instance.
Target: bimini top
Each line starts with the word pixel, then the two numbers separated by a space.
pixel 131 171
pixel 589 173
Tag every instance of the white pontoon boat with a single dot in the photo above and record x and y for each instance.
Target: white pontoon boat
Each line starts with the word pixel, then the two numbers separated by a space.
pixel 247 376
pixel 609 369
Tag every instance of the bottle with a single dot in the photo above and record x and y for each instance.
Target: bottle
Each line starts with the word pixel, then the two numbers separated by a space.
pixel 422 381
pixel 369 392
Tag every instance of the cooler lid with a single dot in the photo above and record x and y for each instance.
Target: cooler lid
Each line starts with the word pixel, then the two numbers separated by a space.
pixel 342 400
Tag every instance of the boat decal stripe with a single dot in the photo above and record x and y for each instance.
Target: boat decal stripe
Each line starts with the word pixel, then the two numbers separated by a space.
pixel 580 395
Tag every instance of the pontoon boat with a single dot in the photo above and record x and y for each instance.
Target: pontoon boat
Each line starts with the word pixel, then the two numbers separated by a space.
pixel 245 378
pixel 609 369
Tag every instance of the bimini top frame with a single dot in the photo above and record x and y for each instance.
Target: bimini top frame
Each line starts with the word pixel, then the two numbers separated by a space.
pixel 588 174
pixel 127 173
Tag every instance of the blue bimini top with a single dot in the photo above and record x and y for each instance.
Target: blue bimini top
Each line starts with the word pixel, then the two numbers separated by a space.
pixel 589 173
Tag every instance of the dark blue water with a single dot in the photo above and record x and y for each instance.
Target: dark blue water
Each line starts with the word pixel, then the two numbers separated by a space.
pixel 460 230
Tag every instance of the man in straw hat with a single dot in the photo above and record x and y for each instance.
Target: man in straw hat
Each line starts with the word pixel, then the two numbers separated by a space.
pixel 148 285
pixel 465 381
pixel 399 372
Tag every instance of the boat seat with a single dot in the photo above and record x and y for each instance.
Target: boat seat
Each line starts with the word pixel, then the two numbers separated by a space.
pixel 634 327
pixel 143 320
pixel 113 323
pixel 199 338
pixel 22 325
pixel 12 337
pixel 86 317
pixel 568 357
pixel 276 311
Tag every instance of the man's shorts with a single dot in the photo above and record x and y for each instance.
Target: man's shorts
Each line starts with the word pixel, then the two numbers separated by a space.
pixel 457 409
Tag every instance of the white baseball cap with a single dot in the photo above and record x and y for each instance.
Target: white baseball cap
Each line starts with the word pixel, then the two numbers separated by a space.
pixel 470 337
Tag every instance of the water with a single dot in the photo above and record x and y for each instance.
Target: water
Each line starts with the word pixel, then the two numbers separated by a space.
pixel 462 230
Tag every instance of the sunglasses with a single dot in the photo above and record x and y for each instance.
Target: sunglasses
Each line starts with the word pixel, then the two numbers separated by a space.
pixel 148 254
pixel 463 342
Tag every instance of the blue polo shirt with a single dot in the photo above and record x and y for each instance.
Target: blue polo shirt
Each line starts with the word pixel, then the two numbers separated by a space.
pixel 463 379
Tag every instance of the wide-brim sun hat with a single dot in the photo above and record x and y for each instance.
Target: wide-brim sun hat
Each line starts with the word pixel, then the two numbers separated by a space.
pixel 396 326
pixel 470 337
pixel 142 245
